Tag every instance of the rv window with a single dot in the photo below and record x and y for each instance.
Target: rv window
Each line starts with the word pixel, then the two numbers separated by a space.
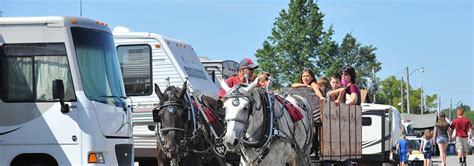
pixel 366 121
pixel 28 71
pixel 212 73
pixel 1 64
pixel 135 64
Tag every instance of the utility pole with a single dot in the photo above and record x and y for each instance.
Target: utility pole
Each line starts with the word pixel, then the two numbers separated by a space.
pixel 401 92
pixel 408 91
pixel 374 82
pixel 422 101
pixel 80 6
pixel 451 109
pixel 439 104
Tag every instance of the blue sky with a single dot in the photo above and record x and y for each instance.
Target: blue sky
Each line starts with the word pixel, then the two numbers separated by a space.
pixel 434 34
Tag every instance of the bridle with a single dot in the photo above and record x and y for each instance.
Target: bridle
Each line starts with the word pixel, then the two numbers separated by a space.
pixel 235 95
pixel 182 147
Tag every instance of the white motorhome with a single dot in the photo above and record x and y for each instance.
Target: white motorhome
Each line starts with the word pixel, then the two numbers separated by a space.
pixel 72 59
pixel 219 69
pixel 381 128
pixel 147 58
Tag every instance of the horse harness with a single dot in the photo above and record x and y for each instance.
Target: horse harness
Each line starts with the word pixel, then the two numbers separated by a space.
pixel 235 95
pixel 264 150
pixel 170 107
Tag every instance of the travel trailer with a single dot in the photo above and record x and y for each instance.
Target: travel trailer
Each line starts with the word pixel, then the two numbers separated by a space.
pixel 381 129
pixel 220 69
pixel 147 58
pixel 62 99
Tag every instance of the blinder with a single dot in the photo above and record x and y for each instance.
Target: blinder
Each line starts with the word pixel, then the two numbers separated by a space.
pixel 235 95
pixel 170 107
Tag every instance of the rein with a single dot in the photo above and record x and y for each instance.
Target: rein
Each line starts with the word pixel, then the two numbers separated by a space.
pixel 235 102
pixel 183 145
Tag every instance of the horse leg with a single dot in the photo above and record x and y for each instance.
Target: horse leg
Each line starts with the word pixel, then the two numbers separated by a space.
pixel 191 159
pixel 243 162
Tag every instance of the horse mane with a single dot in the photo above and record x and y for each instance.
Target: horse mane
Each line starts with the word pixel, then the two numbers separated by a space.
pixel 259 94
pixel 172 92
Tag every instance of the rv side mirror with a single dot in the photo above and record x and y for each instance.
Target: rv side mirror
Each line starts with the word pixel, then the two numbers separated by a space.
pixel 58 89
pixel 58 93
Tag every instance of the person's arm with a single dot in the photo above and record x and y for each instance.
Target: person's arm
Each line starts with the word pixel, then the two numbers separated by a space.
pixel 421 145
pixel 315 87
pixel 297 85
pixel 341 95
pixel 454 135
pixel 450 132
pixel 335 93
pixel 398 146
pixel 435 132
pixel 353 96
pixel 353 99
pixel 229 83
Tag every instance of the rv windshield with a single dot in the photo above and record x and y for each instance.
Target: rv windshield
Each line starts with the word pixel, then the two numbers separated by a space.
pixel 98 66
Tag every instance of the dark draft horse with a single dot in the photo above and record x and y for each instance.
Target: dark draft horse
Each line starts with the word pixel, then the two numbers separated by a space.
pixel 180 138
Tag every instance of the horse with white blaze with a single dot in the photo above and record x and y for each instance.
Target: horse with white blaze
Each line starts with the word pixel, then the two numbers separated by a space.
pixel 266 129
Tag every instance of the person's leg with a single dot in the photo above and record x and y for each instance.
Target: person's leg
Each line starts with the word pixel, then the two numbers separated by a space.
pixel 442 153
pixel 465 146
pixel 403 158
pixel 459 148
pixel 428 154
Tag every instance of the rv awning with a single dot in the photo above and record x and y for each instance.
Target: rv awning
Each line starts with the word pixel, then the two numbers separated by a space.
pixel 420 121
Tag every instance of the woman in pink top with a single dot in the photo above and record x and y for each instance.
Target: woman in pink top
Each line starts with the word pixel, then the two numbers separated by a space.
pixel 349 76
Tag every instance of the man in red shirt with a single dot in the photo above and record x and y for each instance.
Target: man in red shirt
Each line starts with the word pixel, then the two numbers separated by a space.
pixel 246 68
pixel 462 126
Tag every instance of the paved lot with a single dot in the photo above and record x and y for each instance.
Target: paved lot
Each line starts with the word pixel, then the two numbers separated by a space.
pixel 452 160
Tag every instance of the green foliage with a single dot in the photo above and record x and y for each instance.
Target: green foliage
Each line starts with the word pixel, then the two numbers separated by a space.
pixel 470 116
pixel 466 107
pixel 293 43
pixel 298 41
pixel 361 57
pixel 390 93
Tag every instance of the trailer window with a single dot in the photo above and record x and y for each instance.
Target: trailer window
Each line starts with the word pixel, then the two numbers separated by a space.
pixel 212 73
pixel 366 121
pixel 1 57
pixel 28 71
pixel 135 64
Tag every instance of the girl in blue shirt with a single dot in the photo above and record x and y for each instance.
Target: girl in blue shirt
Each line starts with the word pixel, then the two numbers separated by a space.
pixel 402 150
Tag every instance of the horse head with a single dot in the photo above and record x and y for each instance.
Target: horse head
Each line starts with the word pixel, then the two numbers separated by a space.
pixel 173 116
pixel 237 104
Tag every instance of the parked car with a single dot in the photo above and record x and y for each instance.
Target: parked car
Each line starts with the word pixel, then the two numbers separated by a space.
pixel 415 156
pixel 471 146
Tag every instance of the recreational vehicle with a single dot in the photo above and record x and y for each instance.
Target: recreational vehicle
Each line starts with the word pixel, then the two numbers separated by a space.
pixel 62 96
pixel 147 58
pixel 220 69
pixel 381 128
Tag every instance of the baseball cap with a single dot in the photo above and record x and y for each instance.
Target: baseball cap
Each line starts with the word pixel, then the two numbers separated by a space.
pixel 247 63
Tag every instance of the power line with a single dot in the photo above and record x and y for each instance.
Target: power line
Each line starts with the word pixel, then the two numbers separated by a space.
pixel 452 91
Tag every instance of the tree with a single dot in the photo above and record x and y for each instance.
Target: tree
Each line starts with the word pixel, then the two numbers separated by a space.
pixel 390 93
pixel 466 107
pixel 361 57
pixel 293 43
pixel 298 41
pixel 328 53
